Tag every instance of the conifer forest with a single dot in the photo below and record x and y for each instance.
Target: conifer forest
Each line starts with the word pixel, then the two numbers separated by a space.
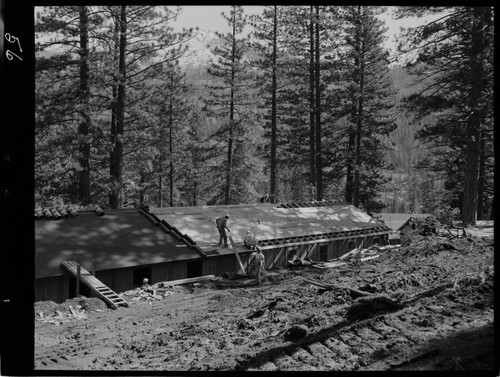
pixel 131 111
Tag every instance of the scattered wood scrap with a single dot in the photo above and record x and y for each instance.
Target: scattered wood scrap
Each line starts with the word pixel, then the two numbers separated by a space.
pixel 356 256
pixel 61 317
pixel 160 290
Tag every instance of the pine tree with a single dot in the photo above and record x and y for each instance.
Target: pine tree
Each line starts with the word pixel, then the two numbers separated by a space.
pixel 454 64
pixel 140 47
pixel 269 45
pixel 372 97
pixel 228 101
pixel 63 113
pixel 93 95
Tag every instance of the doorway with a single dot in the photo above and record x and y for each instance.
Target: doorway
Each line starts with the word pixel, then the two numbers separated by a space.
pixel 140 274
pixel 84 290
pixel 194 269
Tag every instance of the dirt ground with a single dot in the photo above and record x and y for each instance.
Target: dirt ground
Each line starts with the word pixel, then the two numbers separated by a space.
pixel 427 306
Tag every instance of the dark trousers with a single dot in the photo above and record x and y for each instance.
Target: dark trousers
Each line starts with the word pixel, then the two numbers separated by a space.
pixel 222 235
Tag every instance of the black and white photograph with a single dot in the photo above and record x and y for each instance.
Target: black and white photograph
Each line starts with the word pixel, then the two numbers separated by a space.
pixel 261 188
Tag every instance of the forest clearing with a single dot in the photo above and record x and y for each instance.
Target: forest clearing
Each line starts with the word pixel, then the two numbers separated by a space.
pixel 425 306
pixel 302 124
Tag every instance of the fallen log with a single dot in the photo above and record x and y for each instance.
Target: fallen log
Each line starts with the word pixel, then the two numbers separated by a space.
pixel 354 292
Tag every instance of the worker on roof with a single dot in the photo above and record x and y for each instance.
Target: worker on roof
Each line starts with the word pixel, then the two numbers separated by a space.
pixel 250 241
pixel 221 223
pixel 259 264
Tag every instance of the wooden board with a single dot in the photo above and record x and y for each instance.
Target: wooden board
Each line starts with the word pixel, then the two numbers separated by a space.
pixel 237 255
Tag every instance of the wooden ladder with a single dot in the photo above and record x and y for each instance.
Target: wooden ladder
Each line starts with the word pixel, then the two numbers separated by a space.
pixel 98 287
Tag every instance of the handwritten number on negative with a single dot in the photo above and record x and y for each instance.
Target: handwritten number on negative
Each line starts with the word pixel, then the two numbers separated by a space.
pixel 11 39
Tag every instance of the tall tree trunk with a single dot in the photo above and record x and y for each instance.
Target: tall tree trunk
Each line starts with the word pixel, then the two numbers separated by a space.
pixel 472 149
pixel 272 191
pixel 195 191
pixel 359 119
pixel 351 142
pixel 319 166
pixel 115 52
pixel 116 195
pixel 84 127
pixel 481 180
pixel 227 194
pixel 312 139
pixel 160 190
pixel 171 150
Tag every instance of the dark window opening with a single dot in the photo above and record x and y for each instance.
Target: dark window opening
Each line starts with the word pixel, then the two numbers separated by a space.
pixel 140 274
pixel 84 290
pixel 194 269
pixel 376 240
pixel 323 253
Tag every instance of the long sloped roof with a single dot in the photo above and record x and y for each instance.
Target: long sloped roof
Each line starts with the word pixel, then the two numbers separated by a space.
pixel 119 238
pixel 125 238
pixel 270 223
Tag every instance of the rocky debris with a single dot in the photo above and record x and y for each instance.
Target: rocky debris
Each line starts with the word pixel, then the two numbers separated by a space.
pixel 295 333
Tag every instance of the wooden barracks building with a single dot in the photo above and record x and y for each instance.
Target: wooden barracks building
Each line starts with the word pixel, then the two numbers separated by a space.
pixel 121 247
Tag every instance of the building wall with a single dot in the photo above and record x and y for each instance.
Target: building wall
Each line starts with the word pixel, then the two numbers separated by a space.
pixel 57 288
pixel 53 288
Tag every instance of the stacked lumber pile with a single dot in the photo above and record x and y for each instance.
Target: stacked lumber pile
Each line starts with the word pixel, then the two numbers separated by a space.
pixel 355 256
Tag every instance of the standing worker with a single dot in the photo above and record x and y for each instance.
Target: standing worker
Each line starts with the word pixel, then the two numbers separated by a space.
pixel 250 241
pixel 312 192
pixel 221 223
pixel 259 264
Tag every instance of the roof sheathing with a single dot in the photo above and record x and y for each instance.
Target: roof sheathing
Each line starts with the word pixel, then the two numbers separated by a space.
pixel 269 222
pixel 120 238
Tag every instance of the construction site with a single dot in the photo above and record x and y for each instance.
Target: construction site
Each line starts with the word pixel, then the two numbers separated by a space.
pixel 348 294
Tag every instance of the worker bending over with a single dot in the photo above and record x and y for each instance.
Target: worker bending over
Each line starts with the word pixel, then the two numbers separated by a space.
pixel 221 223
